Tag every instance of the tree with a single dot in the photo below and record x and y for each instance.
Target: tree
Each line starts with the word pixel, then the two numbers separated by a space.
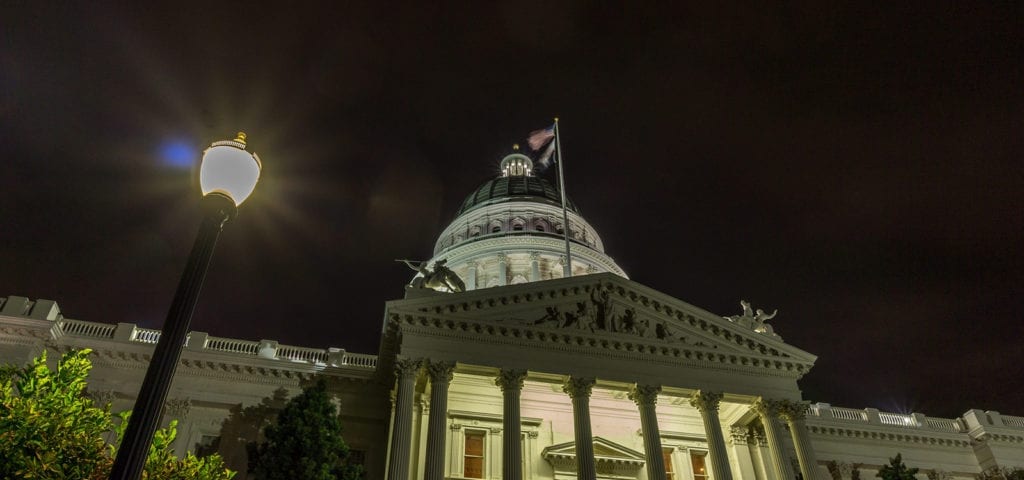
pixel 896 470
pixel 305 442
pixel 50 429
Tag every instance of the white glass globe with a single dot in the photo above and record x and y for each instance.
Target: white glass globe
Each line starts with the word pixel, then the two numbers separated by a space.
pixel 230 170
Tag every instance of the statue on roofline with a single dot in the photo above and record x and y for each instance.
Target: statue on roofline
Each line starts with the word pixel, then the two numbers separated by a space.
pixel 755 320
pixel 438 278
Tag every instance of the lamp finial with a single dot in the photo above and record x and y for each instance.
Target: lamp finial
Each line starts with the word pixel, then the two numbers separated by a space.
pixel 240 138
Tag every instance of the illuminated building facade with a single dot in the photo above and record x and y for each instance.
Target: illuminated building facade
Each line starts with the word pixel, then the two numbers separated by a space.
pixel 529 373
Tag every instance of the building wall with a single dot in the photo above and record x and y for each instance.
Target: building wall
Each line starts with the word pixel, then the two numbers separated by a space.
pixel 219 377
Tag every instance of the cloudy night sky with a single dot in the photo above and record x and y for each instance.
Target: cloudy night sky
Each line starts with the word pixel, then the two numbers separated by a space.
pixel 857 169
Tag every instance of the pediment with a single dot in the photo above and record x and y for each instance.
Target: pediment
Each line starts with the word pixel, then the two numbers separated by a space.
pixel 611 460
pixel 602 448
pixel 604 311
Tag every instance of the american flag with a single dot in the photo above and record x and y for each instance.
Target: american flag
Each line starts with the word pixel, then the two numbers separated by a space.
pixel 539 138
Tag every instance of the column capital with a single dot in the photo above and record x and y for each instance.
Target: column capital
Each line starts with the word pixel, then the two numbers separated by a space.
pixel 406 367
pixel 440 371
pixel 534 256
pixel 705 401
pixel 644 394
pixel 510 379
pixel 579 386
pixel 740 435
pixel 502 257
pixel 792 411
pixel 765 407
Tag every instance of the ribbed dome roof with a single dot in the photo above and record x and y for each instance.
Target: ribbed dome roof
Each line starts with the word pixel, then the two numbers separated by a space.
pixel 514 187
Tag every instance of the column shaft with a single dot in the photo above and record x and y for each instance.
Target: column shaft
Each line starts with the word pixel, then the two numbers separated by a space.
pixel 768 410
pixel 579 389
pixel 440 378
pixel 793 413
pixel 511 383
pixel 502 269
pixel 401 432
pixel 707 404
pixel 646 397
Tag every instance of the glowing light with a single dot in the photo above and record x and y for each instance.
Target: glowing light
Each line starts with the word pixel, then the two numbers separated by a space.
pixel 177 154
pixel 229 169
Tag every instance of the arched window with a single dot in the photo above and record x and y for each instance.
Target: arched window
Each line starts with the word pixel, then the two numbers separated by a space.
pixel 474 231
pixel 518 224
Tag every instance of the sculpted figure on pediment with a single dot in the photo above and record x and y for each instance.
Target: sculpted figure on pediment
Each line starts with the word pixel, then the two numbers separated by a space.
pixel 754 320
pixel 599 314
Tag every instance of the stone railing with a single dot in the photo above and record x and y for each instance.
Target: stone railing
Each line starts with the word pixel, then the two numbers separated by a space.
pixel 199 341
pixel 359 360
pixel 1011 421
pixel 302 354
pixel 80 328
pixel 231 345
pixel 825 411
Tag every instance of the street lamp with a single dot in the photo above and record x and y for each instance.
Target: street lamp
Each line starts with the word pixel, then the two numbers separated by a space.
pixel 227 176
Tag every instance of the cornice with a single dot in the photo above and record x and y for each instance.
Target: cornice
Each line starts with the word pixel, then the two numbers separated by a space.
pixel 874 434
pixel 578 342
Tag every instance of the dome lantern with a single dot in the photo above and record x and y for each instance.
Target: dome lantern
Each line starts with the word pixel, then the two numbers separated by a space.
pixel 516 165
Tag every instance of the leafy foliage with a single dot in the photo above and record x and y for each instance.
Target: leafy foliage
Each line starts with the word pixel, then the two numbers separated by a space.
pixel 1002 473
pixel 305 442
pixel 50 429
pixel 896 470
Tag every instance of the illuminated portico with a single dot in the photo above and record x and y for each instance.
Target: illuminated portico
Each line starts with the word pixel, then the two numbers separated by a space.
pixel 598 373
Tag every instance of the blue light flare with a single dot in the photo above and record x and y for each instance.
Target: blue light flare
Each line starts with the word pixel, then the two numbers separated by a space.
pixel 178 154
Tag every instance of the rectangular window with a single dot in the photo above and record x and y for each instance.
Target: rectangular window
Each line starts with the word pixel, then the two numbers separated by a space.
pixel 700 471
pixel 474 457
pixel 666 455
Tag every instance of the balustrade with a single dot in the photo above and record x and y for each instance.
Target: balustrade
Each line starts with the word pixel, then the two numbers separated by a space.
pixel 147 335
pixel 82 328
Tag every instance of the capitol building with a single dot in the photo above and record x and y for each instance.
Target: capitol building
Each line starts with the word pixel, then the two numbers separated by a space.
pixel 513 356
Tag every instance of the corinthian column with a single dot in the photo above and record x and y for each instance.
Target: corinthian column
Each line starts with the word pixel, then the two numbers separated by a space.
pixel 768 410
pixel 793 413
pixel 579 389
pixel 707 403
pixel 440 377
pixel 646 396
pixel 401 431
pixel 511 383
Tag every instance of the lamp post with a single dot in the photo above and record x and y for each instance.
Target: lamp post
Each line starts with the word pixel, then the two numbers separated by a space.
pixel 227 176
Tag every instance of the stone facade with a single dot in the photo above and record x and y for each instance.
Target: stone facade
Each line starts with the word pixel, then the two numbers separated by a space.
pixel 711 395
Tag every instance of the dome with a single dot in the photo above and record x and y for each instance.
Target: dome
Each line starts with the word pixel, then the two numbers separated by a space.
pixel 511 229
pixel 518 187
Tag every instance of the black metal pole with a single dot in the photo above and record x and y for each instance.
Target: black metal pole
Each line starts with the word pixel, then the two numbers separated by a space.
pixel 148 410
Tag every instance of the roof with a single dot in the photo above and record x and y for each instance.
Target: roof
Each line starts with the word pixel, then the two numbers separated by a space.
pixel 514 187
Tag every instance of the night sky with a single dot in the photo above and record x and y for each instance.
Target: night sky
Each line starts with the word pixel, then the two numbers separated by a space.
pixel 858 169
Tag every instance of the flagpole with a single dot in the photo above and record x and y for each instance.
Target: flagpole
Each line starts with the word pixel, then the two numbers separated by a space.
pixel 565 212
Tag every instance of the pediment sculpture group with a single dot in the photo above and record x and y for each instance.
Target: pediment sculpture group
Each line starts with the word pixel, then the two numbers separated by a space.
pixel 599 314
